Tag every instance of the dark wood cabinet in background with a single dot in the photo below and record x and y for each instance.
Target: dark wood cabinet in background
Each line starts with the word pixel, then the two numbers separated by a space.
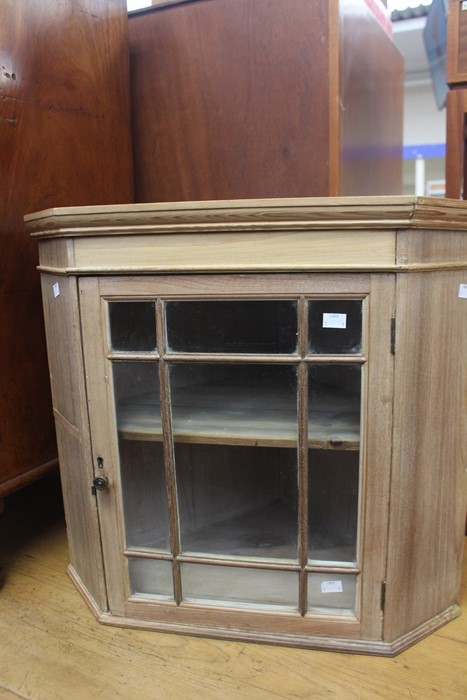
pixel 64 139
pixel 264 98
pixel 456 102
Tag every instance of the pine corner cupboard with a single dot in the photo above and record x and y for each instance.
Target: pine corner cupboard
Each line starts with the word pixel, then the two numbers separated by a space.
pixel 261 414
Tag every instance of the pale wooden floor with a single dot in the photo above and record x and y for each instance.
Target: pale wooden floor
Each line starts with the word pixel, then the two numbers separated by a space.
pixel 51 647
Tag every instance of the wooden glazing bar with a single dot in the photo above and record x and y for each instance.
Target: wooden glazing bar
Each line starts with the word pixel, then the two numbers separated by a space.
pixel 331 568
pixel 303 455
pixel 302 326
pixel 177 582
pixel 303 593
pixel 231 358
pixel 133 356
pixel 169 457
pixel 147 554
pixel 303 467
pixel 161 327
pixel 236 359
pixel 335 359
pixel 243 563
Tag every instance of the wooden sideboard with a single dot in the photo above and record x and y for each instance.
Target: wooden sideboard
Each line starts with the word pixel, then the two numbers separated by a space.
pixel 64 105
pixel 456 102
pixel 253 98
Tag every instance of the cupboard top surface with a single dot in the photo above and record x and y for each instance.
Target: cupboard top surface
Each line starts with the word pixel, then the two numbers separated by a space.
pixel 242 214
pixel 295 234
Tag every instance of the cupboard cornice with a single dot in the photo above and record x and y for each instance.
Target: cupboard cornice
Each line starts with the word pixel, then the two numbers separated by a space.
pixel 297 214
pixel 350 234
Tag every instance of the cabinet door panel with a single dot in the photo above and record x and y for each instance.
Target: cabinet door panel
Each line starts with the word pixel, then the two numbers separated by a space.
pixel 239 476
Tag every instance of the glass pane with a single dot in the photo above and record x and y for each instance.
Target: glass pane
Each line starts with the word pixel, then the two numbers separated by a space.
pixel 235 430
pixel 234 404
pixel 330 593
pixel 137 397
pixel 334 406
pixel 333 472
pixel 144 495
pixel 136 388
pixel 333 505
pixel 238 501
pixel 232 326
pixel 335 327
pixel 132 325
pixel 229 586
pixel 150 577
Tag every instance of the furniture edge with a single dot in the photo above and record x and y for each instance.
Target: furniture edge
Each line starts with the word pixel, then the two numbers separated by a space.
pixel 337 644
pixel 247 214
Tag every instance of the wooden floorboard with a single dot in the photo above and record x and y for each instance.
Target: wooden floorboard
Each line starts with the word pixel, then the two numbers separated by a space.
pixel 52 648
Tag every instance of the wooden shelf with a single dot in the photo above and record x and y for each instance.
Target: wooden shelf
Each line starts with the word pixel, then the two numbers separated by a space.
pixel 269 531
pixel 210 414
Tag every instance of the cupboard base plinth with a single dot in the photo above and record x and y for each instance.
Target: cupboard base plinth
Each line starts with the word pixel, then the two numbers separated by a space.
pixel 338 644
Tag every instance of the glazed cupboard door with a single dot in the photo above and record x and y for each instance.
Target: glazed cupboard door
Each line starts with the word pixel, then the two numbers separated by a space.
pixel 241 432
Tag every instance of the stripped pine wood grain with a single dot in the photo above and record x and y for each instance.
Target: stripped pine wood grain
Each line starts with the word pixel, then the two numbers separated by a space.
pixel 281 214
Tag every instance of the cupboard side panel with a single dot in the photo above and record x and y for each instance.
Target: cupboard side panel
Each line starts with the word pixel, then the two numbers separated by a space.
pixel 428 492
pixel 71 420
pixel 60 303
pixel 433 247
pixel 378 433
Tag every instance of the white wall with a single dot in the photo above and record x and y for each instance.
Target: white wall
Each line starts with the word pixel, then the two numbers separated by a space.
pixel 423 121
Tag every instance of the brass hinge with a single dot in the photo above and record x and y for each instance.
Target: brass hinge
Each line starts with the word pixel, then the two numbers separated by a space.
pixel 393 335
pixel 383 594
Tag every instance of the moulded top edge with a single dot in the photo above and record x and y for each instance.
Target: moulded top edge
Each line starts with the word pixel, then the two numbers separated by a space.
pixel 309 212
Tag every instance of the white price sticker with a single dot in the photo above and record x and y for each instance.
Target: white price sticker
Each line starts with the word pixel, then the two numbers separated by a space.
pixel 334 320
pixel 463 291
pixel 331 587
pixel 56 289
